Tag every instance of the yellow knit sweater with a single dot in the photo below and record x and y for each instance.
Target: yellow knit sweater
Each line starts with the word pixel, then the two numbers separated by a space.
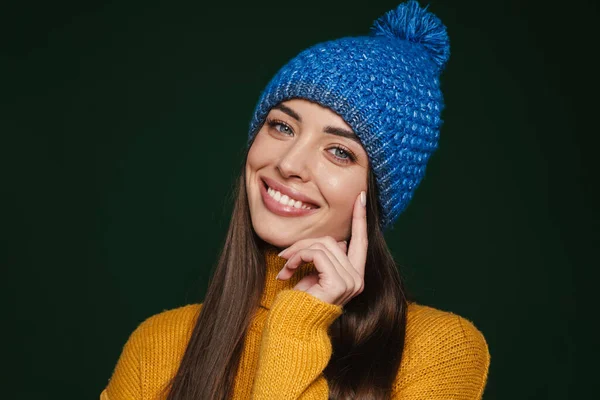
pixel 287 348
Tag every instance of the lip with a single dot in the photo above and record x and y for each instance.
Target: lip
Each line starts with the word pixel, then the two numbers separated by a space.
pixel 283 210
pixel 294 194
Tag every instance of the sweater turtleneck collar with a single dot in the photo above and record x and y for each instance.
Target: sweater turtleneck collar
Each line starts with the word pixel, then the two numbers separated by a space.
pixel 274 264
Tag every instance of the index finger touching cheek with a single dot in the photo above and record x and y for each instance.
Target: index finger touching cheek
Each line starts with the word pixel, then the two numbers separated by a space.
pixel 357 249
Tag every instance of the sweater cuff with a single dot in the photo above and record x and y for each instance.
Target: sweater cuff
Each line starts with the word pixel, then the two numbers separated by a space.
pixel 302 315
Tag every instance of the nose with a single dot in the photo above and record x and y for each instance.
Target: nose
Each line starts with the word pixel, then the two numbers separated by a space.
pixel 295 161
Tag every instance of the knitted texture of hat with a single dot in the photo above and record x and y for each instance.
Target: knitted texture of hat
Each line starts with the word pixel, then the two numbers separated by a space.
pixel 385 86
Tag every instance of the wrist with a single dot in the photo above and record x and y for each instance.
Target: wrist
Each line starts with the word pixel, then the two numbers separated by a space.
pixel 302 314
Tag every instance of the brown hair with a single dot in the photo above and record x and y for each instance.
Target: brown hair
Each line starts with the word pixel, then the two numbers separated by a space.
pixel 367 339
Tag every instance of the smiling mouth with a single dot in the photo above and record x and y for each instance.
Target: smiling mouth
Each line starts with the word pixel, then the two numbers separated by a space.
pixel 286 200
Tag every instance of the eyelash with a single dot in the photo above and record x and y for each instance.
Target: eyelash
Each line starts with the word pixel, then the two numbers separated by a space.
pixel 273 123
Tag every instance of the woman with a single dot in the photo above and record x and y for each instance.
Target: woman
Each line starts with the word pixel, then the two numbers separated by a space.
pixel 306 301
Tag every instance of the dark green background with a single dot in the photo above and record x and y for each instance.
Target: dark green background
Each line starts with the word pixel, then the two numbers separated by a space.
pixel 122 128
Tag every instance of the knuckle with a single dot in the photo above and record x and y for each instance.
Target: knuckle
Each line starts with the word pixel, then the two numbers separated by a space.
pixel 342 288
pixel 320 254
pixel 318 246
pixel 329 240
pixel 360 286
pixel 300 253
pixel 350 287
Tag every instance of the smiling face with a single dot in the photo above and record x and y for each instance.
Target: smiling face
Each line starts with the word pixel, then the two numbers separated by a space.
pixel 304 171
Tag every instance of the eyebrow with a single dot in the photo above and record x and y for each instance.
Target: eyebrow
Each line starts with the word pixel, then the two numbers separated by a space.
pixel 328 129
pixel 288 111
pixel 342 132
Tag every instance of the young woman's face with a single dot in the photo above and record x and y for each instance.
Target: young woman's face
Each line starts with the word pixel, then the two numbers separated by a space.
pixel 304 172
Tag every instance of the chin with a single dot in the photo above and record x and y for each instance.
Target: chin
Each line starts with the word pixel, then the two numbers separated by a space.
pixel 283 233
pixel 278 233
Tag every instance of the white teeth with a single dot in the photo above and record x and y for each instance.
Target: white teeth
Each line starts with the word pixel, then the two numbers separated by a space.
pixel 286 200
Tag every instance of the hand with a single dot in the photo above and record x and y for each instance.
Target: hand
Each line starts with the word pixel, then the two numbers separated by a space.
pixel 339 277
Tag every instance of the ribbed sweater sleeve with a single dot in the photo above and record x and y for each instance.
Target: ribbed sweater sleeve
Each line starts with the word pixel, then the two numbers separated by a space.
pixel 445 357
pixel 295 348
pixel 126 380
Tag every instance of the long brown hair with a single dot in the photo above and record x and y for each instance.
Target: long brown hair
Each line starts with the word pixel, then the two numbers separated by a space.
pixel 367 339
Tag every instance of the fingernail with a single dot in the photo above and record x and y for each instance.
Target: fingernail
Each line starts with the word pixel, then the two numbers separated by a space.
pixel 363 198
pixel 277 277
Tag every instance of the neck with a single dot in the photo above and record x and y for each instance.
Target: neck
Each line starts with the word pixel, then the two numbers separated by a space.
pixel 274 264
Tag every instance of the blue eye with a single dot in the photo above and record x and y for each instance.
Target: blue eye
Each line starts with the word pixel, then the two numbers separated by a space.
pixel 342 154
pixel 280 126
pixel 283 128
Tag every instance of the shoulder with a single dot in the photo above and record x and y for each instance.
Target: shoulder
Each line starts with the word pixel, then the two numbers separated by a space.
pixel 167 332
pixel 152 353
pixel 437 334
pixel 177 320
pixel 162 338
pixel 431 323
pixel 443 348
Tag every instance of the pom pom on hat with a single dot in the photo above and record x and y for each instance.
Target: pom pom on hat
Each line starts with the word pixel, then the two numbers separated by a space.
pixel 411 22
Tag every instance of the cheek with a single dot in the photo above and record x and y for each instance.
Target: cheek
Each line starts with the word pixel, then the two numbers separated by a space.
pixel 341 192
pixel 252 153
pixel 257 155
pixel 260 156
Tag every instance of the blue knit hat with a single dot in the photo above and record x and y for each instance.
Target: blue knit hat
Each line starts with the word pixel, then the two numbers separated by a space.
pixel 385 86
